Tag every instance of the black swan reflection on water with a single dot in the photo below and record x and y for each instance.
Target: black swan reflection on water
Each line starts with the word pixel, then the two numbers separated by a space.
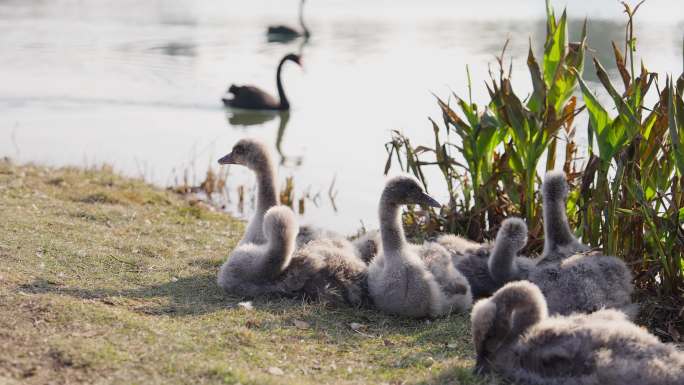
pixel 285 33
pixel 246 118
pixel 254 98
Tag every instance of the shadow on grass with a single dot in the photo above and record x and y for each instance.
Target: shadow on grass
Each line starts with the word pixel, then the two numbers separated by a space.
pixel 459 375
pixel 187 296
pixel 193 295
pixel 199 294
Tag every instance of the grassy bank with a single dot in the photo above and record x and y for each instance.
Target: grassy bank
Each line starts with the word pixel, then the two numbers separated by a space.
pixel 108 280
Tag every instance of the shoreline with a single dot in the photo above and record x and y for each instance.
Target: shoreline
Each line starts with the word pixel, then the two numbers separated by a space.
pixel 106 279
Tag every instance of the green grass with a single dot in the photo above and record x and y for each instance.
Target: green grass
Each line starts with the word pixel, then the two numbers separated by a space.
pixel 108 280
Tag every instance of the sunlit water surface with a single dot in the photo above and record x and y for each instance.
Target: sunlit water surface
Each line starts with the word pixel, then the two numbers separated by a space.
pixel 137 84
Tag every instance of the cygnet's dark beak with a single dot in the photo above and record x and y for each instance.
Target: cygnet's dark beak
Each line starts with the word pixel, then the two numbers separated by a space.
pixel 228 159
pixel 427 200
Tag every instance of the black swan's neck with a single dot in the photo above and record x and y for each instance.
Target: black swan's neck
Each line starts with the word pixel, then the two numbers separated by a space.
pixel 267 196
pixel 305 30
pixel 284 103
pixel 391 228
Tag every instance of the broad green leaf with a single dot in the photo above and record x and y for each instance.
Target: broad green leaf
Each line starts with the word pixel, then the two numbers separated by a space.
pixel 624 110
pixel 649 192
pixel 550 18
pixel 654 133
pixel 537 102
pixel 488 138
pixel 599 120
pixel 573 200
pixel 554 50
pixel 675 130
pixel 469 111
pixel 515 113
pixel 616 135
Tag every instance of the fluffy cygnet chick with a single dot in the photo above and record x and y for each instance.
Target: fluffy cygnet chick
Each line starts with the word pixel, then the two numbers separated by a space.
pixel 412 280
pixel 323 270
pixel 515 338
pixel 571 279
pixel 559 240
pixel 255 155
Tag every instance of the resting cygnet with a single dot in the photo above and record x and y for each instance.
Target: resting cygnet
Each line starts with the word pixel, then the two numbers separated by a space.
pixel 254 155
pixel 368 245
pixel 407 279
pixel 323 270
pixel 559 241
pixel 571 282
pixel 477 262
pixel 515 338
pixel 365 246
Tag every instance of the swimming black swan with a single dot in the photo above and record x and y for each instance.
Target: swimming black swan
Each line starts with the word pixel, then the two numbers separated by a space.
pixel 253 98
pixel 285 33
pixel 515 338
pixel 408 279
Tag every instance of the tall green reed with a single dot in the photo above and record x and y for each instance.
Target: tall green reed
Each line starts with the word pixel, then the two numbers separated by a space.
pixel 628 190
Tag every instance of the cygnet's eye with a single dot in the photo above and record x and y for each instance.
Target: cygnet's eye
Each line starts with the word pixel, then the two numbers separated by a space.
pixel 238 149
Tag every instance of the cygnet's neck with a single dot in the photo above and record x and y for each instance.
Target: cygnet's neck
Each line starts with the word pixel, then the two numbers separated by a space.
pixel 502 264
pixel 556 227
pixel 279 249
pixel 267 195
pixel 391 228
pixel 524 308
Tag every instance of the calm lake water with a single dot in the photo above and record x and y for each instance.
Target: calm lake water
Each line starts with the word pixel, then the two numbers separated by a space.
pixel 137 84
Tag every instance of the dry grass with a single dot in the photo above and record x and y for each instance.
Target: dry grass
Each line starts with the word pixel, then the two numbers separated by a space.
pixel 108 280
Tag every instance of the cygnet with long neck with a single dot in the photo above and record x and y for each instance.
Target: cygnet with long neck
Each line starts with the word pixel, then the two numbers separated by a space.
pixel 408 279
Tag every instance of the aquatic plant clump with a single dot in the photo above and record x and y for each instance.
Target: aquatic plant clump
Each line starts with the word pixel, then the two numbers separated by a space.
pixel 625 192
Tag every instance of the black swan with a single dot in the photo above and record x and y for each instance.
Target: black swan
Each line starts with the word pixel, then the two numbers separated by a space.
pixel 284 33
pixel 254 98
